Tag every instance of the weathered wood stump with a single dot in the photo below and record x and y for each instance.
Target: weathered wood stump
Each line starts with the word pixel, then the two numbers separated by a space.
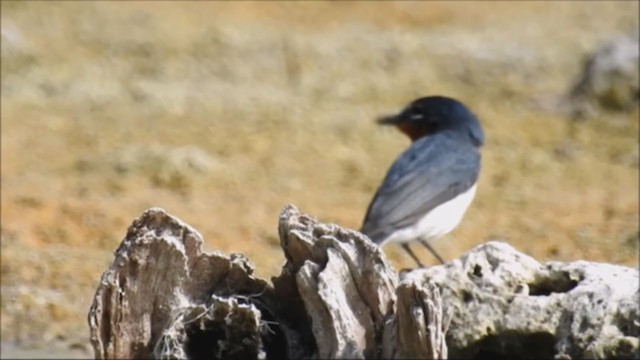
pixel 337 297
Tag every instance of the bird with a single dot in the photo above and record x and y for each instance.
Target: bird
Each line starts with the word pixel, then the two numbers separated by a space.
pixel 429 187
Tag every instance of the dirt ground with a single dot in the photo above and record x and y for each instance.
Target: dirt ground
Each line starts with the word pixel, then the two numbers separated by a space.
pixel 222 113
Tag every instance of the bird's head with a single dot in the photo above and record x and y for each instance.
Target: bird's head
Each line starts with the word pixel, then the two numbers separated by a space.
pixel 429 115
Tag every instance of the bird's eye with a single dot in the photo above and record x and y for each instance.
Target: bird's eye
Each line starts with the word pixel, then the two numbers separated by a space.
pixel 415 117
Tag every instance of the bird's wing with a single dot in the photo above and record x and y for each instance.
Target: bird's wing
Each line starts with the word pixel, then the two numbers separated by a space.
pixel 432 171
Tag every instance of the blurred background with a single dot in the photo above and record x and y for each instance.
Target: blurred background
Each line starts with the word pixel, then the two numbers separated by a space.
pixel 221 113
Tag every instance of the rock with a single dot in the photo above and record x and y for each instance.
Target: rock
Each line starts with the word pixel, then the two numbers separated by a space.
pixel 610 79
pixel 507 305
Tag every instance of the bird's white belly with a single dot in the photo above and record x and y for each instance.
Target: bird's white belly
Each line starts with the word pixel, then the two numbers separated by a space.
pixel 438 222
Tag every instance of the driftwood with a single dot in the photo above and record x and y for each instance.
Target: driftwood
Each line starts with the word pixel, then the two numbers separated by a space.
pixel 337 297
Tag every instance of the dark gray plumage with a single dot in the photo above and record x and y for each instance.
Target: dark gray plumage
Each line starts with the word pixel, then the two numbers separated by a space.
pixel 441 166
pixel 432 171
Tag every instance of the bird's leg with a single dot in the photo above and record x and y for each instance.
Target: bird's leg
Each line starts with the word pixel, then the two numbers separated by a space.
pixel 406 248
pixel 433 251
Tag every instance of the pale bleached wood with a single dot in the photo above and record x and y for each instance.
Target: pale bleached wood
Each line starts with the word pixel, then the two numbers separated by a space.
pixel 336 298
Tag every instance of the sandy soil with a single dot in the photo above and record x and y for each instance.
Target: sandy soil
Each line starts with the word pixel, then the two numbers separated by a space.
pixel 222 113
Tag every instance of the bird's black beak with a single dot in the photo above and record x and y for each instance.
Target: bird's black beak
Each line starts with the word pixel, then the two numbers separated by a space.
pixel 394 119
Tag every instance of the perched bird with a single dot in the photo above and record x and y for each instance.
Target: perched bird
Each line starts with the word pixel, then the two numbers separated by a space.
pixel 431 184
